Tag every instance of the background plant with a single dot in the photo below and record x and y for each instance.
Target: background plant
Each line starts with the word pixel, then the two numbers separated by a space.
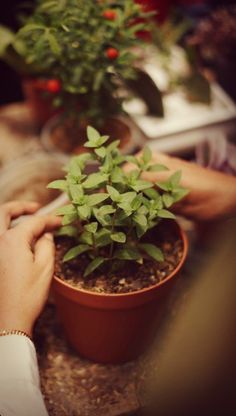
pixel 85 46
pixel 109 210
pixel 188 73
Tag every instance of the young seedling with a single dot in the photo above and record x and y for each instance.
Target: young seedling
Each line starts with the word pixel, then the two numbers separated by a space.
pixel 110 210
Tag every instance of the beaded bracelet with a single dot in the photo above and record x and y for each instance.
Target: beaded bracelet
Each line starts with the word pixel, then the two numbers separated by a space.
pixel 14 332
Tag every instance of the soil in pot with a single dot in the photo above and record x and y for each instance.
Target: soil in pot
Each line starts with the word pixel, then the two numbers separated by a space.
pixel 131 277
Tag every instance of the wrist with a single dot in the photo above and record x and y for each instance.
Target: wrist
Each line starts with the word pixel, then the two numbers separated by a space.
pixel 5 332
pixel 9 324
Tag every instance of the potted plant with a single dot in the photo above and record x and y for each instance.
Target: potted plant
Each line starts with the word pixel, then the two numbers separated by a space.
pixel 118 251
pixel 74 55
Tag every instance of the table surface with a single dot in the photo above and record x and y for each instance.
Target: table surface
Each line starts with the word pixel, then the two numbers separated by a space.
pixel 71 385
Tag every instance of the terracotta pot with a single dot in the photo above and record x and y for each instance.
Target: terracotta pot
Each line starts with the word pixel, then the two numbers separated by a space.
pixel 39 102
pixel 109 328
pixel 67 141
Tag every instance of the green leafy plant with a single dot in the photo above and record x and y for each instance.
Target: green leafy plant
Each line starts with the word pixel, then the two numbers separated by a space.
pixel 189 77
pixel 84 48
pixel 110 210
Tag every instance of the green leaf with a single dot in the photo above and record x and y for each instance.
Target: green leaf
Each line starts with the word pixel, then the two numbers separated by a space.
pixel 29 27
pixel 97 262
pixel 58 184
pixel 137 202
pixel 143 210
pixel 114 194
pixel 76 251
pixel 66 210
pixel 92 227
pixel 106 209
pixel 152 251
pixel 127 253
pixel 101 152
pixel 113 145
pixel 140 185
pixel 168 200
pixel 103 219
pixel 147 155
pixel 133 176
pixel 53 43
pixel 95 140
pixel 179 193
pixel 102 140
pixel 126 207
pixel 157 168
pixel 94 180
pixel 107 165
pixel 128 197
pixel 152 193
pixel 103 237
pixel 118 237
pixel 92 134
pixel 86 237
pixel 96 199
pixel 6 38
pixel 175 179
pixel 67 230
pixel 99 75
pixel 140 230
pixel 117 175
pixel 82 159
pixel 163 213
pixel 140 219
pixel 165 186
pixel 69 218
pixel 74 167
pixel 132 159
pixel 77 193
pixel 84 212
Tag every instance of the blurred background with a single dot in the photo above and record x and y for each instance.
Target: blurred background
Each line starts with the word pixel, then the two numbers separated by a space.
pixel 196 10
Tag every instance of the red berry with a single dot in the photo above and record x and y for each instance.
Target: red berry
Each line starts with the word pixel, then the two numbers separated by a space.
pixel 112 53
pixel 109 14
pixel 53 85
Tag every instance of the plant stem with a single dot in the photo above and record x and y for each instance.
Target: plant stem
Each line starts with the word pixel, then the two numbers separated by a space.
pixel 112 230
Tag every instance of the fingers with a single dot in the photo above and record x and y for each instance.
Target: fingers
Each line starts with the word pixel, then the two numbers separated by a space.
pixel 14 209
pixel 44 252
pixel 30 230
pixel 157 176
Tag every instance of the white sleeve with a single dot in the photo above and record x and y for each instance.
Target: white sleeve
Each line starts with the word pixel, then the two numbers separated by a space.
pixel 20 393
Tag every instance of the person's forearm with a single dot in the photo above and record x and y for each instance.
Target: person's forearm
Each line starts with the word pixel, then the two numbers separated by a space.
pixel 20 393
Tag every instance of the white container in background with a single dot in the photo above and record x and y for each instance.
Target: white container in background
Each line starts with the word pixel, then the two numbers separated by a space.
pixel 185 123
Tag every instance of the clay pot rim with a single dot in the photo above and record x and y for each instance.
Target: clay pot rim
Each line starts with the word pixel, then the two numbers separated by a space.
pixel 149 289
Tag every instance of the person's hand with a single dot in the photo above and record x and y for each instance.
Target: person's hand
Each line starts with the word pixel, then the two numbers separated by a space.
pixel 212 195
pixel 26 265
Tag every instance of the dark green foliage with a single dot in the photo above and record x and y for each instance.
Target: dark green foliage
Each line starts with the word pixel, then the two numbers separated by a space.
pixel 68 40
pixel 110 210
